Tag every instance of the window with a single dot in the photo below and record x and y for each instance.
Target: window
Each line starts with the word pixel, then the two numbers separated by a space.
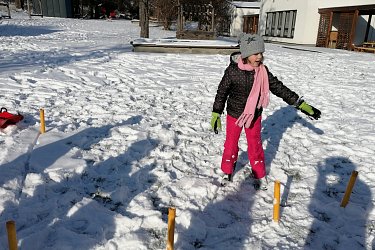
pixel 281 23
pixel 273 23
pixel 286 23
pixel 294 16
pixel 270 25
pixel 267 32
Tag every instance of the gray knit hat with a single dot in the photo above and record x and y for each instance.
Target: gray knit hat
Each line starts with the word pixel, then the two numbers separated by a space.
pixel 250 44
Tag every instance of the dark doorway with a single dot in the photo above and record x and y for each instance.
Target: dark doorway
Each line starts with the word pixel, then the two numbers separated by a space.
pixel 250 24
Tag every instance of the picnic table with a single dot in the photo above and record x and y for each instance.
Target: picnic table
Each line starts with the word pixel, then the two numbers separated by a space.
pixel 366 47
pixel 369 44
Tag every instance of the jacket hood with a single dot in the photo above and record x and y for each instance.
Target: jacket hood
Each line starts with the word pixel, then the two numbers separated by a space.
pixel 234 57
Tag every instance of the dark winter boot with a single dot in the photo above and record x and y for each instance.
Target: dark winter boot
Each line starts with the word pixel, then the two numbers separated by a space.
pixel 261 184
pixel 227 178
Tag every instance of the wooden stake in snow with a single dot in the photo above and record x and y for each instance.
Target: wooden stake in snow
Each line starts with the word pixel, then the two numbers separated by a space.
pixel 276 202
pixel 12 238
pixel 171 222
pixel 42 122
pixel 349 188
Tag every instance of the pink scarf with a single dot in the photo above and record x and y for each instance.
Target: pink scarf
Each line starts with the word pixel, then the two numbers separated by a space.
pixel 260 87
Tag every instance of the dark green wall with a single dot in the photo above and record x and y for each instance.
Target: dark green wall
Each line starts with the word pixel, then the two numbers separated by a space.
pixel 57 8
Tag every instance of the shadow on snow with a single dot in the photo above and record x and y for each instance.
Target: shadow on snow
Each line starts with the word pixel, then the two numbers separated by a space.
pixel 24 60
pixel 17 30
pixel 79 211
pixel 226 224
pixel 275 125
pixel 335 227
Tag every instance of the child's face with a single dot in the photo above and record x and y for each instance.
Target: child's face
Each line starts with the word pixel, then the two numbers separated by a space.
pixel 255 60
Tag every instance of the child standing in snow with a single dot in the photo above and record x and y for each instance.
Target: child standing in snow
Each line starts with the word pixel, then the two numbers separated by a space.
pixel 245 88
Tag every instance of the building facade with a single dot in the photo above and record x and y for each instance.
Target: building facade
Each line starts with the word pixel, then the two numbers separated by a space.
pixel 334 23
pixel 244 17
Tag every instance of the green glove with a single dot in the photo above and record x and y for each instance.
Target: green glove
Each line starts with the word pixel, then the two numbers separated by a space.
pixel 215 122
pixel 309 110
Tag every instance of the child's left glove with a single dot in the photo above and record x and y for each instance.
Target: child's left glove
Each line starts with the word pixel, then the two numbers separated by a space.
pixel 309 110
pixel 215 122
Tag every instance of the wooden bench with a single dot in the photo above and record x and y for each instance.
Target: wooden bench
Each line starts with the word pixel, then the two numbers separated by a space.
pixel 369 44
pixel 364 49
pixel 6 5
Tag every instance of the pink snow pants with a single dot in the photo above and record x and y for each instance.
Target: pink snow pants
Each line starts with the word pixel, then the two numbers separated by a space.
pixel 254 147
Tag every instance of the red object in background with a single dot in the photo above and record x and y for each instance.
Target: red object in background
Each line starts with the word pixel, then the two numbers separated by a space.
pixel 112 14
pixel 7 118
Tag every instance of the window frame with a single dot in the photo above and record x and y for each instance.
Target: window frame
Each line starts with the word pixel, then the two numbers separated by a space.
pixel 281 23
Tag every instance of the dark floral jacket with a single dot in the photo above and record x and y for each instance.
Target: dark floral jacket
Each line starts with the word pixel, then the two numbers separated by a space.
pixel 235 87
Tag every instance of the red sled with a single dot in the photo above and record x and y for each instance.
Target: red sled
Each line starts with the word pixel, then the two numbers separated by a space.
pixel 7 119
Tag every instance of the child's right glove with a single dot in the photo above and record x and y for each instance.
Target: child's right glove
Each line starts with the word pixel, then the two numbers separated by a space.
pixel 215 122
pixel 309 110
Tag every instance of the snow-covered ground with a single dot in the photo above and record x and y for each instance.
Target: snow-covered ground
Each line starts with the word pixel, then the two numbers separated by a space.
pixel 128 136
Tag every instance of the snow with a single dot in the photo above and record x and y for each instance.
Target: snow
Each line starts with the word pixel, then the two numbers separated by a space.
pixel 169 42
pixel 128 136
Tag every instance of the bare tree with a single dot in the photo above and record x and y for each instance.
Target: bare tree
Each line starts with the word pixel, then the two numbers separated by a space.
pixel 221 8
pixel 166 11
pixel 144 16
pixel 18 4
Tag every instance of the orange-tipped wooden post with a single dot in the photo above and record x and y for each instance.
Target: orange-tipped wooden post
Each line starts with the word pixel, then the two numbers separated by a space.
pixel 349 188
pixel 12 238
pixel 171 222
pixel 42 122
pixel 276 202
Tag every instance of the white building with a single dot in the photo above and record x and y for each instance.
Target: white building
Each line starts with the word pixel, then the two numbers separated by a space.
pixel 244 17
pixel 334 23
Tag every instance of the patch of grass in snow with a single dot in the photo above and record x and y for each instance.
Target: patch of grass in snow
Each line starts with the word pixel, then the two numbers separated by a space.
pixel 157 237
pixel 102 198
pixel 371 227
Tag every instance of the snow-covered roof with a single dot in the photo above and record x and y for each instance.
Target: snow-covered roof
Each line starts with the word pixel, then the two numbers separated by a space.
pixel 239 4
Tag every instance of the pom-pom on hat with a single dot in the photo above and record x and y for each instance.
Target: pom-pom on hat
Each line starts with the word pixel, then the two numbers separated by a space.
pixel 250 44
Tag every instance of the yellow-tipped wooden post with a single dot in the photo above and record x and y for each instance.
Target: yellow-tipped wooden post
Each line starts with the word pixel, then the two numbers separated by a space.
pixel 42 122
pixel 349 188
pixel 276 202
pixel 171 222
pixel 12 238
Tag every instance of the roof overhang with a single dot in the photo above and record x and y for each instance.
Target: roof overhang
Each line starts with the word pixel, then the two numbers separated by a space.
pixel 246 5
pixel 363 9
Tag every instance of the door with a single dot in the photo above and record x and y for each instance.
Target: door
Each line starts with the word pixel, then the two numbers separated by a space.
pixel 250 24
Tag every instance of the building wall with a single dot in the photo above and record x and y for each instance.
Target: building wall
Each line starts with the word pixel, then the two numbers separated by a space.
pixel 307 19
pixel 236 27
